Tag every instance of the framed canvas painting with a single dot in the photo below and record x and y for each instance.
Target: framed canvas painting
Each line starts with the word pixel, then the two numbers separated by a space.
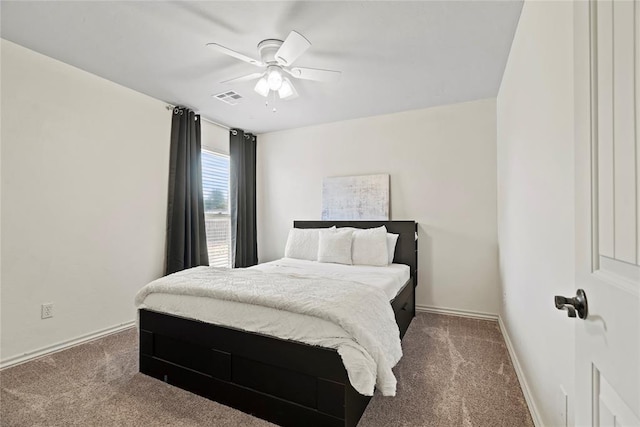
pixel 364 197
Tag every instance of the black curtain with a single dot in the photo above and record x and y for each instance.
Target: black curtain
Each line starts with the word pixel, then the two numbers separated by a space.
pixel 242 150
pixel 186 238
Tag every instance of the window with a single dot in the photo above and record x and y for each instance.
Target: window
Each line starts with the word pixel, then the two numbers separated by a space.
pixel 215 192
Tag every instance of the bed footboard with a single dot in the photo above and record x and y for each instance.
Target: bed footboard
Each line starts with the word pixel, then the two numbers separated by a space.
pixel 288 383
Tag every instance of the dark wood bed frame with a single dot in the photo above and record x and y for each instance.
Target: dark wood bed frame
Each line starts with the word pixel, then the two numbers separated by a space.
pixel 286 382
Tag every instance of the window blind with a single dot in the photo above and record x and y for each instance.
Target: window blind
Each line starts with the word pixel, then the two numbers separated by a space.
pixel 215 192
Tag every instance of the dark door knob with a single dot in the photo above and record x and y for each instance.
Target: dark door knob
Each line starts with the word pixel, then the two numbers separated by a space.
pixel 573 305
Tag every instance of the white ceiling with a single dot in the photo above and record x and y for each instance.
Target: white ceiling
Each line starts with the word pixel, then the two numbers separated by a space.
pixel 394 55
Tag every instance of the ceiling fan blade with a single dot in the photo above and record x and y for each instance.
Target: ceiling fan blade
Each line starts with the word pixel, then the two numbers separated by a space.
pixel 246 78
pixel 294 45
pixel 315 74
pixel 237 55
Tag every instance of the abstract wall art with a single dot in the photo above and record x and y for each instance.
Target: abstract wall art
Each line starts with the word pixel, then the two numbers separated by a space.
pixel 364 197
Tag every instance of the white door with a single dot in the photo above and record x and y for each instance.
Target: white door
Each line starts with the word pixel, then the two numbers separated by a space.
pixel 607 108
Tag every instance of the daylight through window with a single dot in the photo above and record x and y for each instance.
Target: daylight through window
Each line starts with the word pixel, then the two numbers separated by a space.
pixel 215 191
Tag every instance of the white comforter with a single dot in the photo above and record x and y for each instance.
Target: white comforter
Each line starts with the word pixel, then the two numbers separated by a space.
pixel 390 279
pixel 363 329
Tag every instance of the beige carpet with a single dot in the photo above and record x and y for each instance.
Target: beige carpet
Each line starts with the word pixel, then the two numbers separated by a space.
pixel 455 372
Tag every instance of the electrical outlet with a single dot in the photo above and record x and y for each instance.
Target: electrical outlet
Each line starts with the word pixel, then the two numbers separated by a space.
pixel 563 406
pixel 47 310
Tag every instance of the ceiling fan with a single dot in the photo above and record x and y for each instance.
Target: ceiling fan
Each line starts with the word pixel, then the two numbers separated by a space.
pixel 277 57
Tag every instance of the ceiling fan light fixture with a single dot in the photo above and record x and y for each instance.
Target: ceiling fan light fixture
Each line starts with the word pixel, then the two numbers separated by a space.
pixel 287 90
pixel 262 87
pixel 277 57
pixel 274 78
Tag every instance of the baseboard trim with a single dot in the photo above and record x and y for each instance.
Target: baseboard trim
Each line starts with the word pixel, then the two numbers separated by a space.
pixel 64 345
pixel 456 312
pixel 526 391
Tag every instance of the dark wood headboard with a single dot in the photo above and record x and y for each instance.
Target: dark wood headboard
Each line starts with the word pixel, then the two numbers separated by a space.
pixel 406 248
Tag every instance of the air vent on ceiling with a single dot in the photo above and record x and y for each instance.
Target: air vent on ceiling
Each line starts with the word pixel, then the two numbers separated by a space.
pixel 230 97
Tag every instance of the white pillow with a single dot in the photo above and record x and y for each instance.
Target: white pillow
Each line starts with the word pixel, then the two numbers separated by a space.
pixel 335 246
pixel 392 239
pixel 302 243
pixel 370 246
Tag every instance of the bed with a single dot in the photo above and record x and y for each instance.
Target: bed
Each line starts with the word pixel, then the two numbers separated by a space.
pixel 285 381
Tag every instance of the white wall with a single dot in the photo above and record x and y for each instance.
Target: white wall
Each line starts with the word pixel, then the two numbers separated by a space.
pixel 536 200
pixel 214 138
pixel 442 163
pixel 84 188
pixel 0 199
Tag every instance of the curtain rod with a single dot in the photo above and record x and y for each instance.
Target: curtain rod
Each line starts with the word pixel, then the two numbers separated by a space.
pixel 171 107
